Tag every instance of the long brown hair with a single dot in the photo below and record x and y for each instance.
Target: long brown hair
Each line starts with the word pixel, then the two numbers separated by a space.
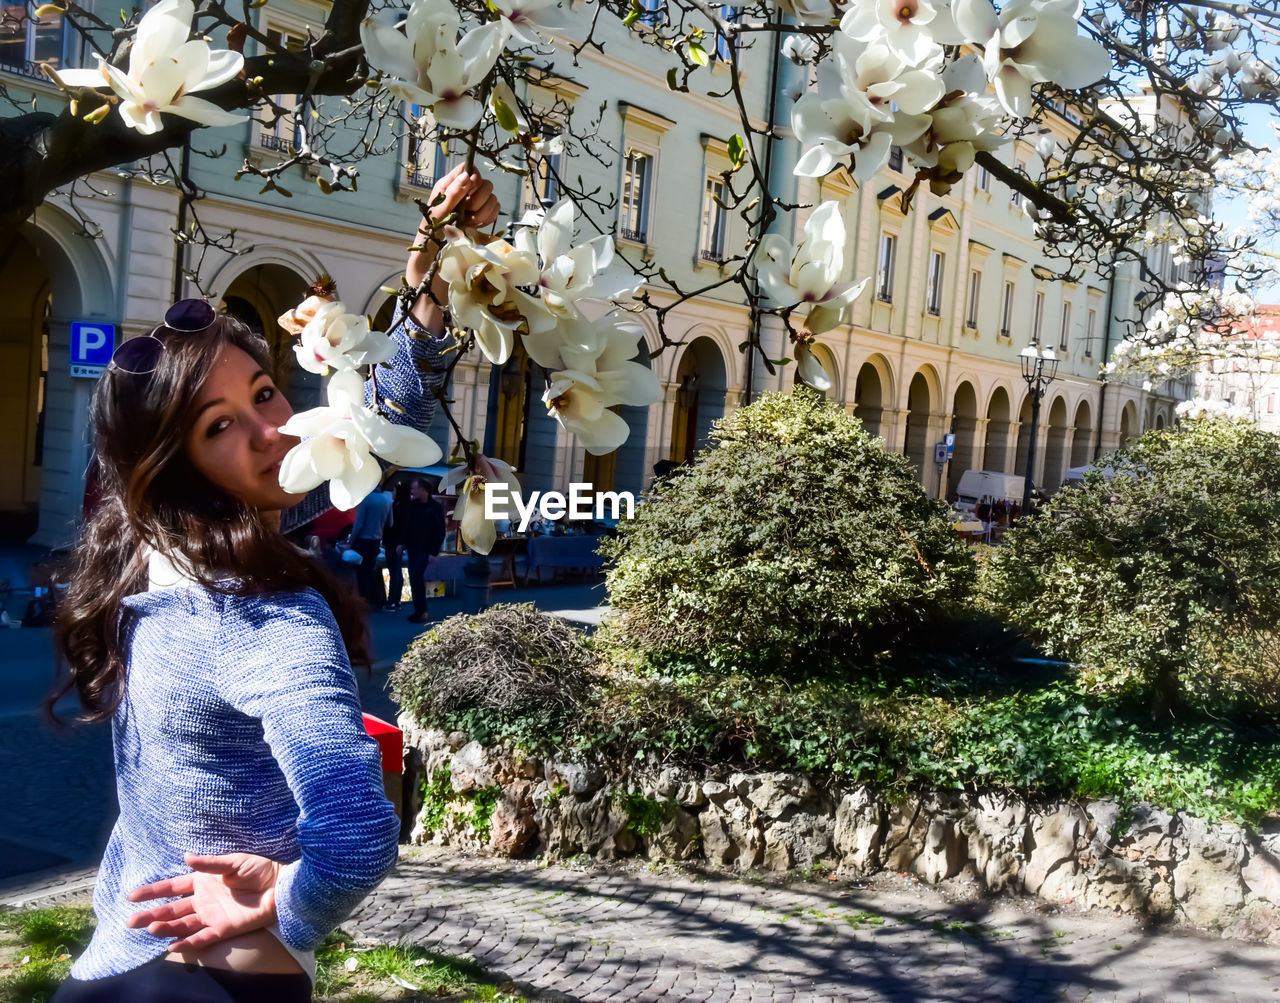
pixel 153 498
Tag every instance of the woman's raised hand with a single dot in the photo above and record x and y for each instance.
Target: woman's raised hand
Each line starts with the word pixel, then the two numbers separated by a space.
pixel 459 190
pixel 221 897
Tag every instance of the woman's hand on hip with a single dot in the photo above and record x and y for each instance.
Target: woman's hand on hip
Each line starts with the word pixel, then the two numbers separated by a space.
pixel 221 897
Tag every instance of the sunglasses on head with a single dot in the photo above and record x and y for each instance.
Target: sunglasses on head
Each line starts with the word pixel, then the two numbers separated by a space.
pixel 140 356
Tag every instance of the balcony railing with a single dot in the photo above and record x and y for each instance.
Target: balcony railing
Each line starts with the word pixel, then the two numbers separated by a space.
pixel 27 68
pixel 639 236
pixel 421 179
pixel 276 144
pixel 709 254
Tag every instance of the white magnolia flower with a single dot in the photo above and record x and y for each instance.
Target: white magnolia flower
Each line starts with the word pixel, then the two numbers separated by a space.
pixel 965 122
pixel 1031 42
pixel 571 275
pixel 484 281
pixel 342 340
pixel 810 273
pixel 911 28
pixel 810 370
pixel 341 440
pixel 533 22
pixel 428 65
pixel 800 49
pixel 586 345
pixel 868 99
pixel 166 66
pixel 300 316
pixel 478 532
pixel 580 402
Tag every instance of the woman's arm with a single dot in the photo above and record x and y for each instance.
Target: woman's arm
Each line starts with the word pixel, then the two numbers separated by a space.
pixel 417 369
pixel 290 671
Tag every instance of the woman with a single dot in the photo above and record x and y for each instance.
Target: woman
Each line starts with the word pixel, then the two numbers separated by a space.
pixel 248 788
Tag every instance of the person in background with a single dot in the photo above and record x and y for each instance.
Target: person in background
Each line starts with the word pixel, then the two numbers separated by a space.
pixel 393 545
pixel 422 537
pixel 372 517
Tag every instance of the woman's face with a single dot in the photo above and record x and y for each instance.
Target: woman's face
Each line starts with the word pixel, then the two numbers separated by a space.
pixel 235 440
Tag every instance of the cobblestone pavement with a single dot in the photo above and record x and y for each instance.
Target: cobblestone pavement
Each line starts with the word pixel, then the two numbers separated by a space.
pixel 589 934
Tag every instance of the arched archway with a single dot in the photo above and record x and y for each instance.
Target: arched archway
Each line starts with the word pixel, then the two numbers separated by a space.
pixel 26 291
pixel 996 446
pixel 964 423
pixel 1055 449
pixel 1023 447
pixel 700 397
pixel 1128 423
pixel 257 296
pixel 1082 444
pixel 919 411
pixel 78 286
pixel 1159 419
pixel 870 391
pixel 624 468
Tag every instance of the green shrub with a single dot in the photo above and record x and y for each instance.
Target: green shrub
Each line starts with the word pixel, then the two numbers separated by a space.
pixel 1054 740
pixel 793 538
pixel 1164 581
pixel 495 673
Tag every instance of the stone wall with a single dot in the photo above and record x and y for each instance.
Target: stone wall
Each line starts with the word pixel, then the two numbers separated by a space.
pixel 1092 854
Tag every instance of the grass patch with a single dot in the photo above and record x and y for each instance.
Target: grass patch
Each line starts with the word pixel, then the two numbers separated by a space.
pixel 350 972
pixel 36 950
pixel 37 947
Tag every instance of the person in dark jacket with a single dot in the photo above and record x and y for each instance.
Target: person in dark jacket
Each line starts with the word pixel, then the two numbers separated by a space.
pixel 422 536
pixel 393 545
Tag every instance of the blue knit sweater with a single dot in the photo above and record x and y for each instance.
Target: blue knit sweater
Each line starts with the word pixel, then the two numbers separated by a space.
pixel 240 730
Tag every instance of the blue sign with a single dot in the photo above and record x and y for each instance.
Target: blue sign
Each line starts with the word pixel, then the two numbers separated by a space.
pixel 91 347
pixel 950 440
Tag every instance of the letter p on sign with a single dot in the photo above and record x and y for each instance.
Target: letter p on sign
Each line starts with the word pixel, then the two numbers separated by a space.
pixel 91 347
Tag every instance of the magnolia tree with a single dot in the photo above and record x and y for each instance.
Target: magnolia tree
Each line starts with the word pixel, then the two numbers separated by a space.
pixel 1154 95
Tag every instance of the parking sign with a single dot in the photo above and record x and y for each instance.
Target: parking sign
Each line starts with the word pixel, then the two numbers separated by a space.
pixel 91 346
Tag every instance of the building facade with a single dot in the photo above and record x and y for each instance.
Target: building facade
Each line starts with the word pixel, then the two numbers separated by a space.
pixel 958 286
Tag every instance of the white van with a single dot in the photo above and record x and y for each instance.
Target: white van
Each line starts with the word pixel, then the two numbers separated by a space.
pixel 978 484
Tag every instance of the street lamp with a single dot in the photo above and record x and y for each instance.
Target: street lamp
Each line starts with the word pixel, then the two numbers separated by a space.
pixel 1039 369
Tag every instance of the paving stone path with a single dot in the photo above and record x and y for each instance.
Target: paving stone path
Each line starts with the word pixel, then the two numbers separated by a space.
pixel 591 933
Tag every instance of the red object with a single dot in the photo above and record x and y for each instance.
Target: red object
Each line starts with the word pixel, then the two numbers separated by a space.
pixel 390 741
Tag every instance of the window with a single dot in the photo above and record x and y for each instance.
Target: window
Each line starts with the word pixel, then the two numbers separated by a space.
pixel 984 179
pixel 724 46
pixel 420 166
pixel 284 132
pixel 654 12
pixel 636 182
pixel 895 158
pixel 1065 330
pixel 975 289
pixel 1006 313
pixel 1090 333
pixel 25 44
pixel 936 261
pixel 447 161
pixel 1037 318
pixel 541 184
pixel 711 242
pixel 884 275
